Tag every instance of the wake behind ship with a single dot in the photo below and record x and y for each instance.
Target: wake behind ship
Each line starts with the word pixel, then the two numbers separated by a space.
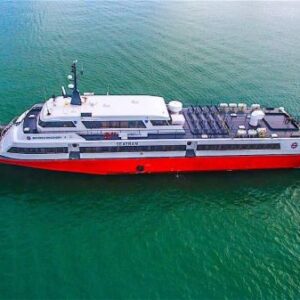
pixel 129 134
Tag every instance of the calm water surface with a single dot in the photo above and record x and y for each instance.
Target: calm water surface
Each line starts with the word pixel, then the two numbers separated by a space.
pixel 210 236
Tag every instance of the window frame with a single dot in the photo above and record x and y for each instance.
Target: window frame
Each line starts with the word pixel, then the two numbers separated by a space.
pixel 56 124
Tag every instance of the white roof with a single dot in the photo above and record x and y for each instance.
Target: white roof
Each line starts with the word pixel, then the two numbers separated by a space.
pixel 107 107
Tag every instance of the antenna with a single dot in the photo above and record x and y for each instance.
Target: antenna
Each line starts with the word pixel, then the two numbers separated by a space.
pixel 107 92
pixel 63 92
pixel 48 111
pixel 46 104
pixel 75 99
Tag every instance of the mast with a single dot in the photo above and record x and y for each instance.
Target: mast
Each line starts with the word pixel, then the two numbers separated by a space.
pixel 75 98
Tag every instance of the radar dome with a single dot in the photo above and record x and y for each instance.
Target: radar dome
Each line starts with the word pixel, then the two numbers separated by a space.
pixel 175 107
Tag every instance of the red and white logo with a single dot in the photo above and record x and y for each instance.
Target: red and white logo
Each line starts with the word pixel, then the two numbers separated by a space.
pixel 294 145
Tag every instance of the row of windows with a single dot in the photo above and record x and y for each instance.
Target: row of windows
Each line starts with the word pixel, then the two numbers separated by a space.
pixel 56 124
pixel 160 123
pixel 239 147
pixel 133 148
pixel 52 150
pixel 114 124
pixel 102 124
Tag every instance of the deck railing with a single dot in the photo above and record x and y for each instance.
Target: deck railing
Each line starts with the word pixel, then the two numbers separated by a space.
pixel 6 128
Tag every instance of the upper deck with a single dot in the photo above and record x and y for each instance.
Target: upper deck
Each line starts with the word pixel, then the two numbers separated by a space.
pixel 147 117
pixel 200 122
pixel 216 122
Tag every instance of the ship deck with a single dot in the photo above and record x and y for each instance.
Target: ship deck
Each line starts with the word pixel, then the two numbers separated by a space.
pixel 215 123
pixel 201 121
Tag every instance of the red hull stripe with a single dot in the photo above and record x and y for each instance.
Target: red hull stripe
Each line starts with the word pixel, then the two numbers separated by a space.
pixel 161 165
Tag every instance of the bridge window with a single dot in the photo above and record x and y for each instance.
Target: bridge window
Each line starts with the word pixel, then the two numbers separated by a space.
pixel 113 124
pixel 56 124
pixel 159 123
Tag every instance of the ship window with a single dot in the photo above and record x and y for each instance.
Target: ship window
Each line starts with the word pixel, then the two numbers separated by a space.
pixel 159 123
pixel 238 147
pixel 91 124
pixel 133 148
pixel 86 114
pixel 56 124
pixel 114 124
pixel 122 124
pixel 46 150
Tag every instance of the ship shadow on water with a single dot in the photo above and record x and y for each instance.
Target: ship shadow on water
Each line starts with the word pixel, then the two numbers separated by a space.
pixel 163 190
pixel 198 220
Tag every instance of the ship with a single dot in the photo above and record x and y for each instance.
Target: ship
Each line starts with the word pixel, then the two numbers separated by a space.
pixel 140 134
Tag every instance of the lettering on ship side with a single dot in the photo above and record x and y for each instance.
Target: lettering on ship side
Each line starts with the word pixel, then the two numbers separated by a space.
pixel 127 143
pixel 46 137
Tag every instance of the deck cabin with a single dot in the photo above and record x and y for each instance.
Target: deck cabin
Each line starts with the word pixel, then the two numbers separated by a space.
pixel 121 116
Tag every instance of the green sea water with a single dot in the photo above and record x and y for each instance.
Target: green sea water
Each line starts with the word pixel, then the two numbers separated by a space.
pixel 233 235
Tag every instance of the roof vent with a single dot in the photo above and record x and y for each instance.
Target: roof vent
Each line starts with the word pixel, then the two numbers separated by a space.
pixel 255 106
pixel 232 107
pixel 262 132
pixel 223 106
pixel 252 132
pixel 241 133
pixel 242 107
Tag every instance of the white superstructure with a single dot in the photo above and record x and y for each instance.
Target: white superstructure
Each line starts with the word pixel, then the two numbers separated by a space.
pixel 107 107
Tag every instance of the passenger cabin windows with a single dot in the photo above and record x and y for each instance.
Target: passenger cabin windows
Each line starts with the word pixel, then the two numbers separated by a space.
pixel 222 147
pixel 113 124
pixel 160 123
pixel 133 148
pixel 44 150
pixel 56 124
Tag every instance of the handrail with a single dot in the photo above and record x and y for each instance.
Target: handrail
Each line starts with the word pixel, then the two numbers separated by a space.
pixel 117 134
